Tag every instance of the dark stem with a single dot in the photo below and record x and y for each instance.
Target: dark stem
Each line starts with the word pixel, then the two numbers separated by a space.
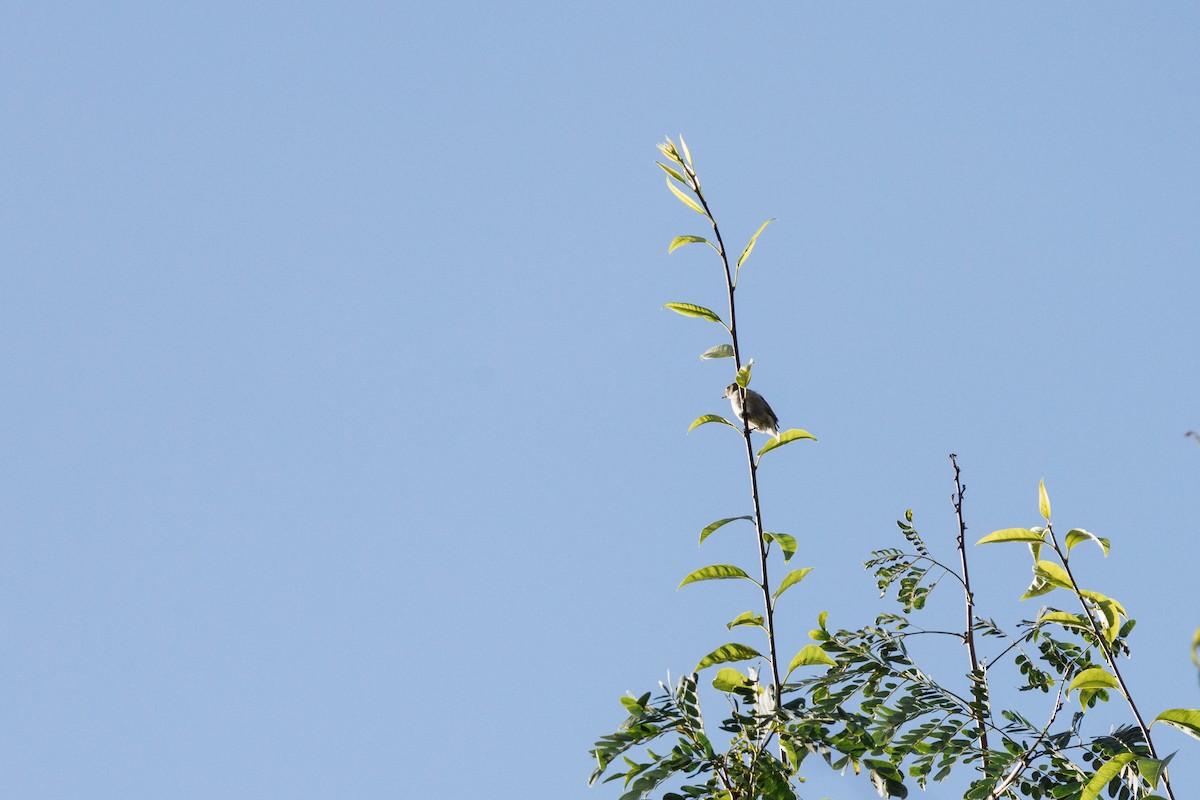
pixel 969 636
pixel 730 287
pixel 1108 655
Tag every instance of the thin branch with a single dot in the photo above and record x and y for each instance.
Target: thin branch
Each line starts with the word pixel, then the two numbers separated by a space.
pixel 1028 758
pixel 1108 655
pixel 768 604
pixel 969 635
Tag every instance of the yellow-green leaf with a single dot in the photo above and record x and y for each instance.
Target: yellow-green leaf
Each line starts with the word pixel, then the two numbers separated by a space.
pixel 1065 619
pixel 687 201
pixel 726 653
pixel 790 435
pixel 1077 535
pixel 1185 719
pixel 1094 678
pixel 680 241
pixel 707 418
pixel 718 351
pixel 745 618
pixel 810 656
pixel 753 239
pixel 1012 535
pixel 1052 573
pixel 672 172
pixel 790 580
pixel 1105 774
pixel 686 153
pixel 1043 501
pixel 1152 769
pixel 786 542
pixel 1196 647
pixel 742 378
pixel 692 310
pixel 708 530
pixel 1039 587
pixel 715 572
pixel 728 679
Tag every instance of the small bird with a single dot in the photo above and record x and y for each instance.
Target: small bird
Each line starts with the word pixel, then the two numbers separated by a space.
pixel 760 416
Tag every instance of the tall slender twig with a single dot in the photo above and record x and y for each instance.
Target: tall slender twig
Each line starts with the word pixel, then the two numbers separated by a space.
pixel 730 287
pixel 978 676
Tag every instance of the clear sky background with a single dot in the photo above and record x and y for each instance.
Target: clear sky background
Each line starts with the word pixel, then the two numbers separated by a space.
pixel 343 428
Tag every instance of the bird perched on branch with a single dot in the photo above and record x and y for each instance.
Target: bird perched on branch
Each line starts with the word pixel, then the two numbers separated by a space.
pixel 758 413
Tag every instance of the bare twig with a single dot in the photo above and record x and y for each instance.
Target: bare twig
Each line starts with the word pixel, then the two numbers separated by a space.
pixel 969 634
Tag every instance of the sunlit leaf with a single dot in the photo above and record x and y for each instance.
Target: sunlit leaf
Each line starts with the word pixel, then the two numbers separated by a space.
pixel 707 418
pixel 1152 768
pixel 1105 774
pixel 746 618
pixel 811 656
pixel 790 435
pixel 1093 678
pixel 719 351
pixel 728 679
pixel 667 148
pixel 791 579
pixel 1039 587
pixel 1043 501
pixel 1196 647
pixel 1185 719
pixel 1077 535
pixel 1012 535
pixel 691 310
pixel 715 572
pixel 786 542
pixel 749 247
pixel 1053 573
pixel 742 378
pixel 686 153
pixel 672 173
pixel 704 534
pixel 1065 619
pixel 680 241
pixel 726 653
pixel 687 201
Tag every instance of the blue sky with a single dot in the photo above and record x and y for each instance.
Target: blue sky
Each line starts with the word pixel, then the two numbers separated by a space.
pixel 344 430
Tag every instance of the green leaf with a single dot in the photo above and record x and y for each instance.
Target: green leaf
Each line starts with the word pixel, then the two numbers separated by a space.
pixel 1012 535
pixel 667 148
pixel 707 418
pixel 746 253
pixel 1185 719
pixel 687 201
pixel 672 173
pixel 1066 620
pixel 786 542
pixel 708 530
pixel 1038 588
pixel 1105 774
pixel 788 436
pixel 715 572
pixel 719 351
pixel 1052 573
pixel 1196 647
pixel 1093 678
pixel 726 653
pixel 729 679
pixel 690 310
pixel 810 656
pixel 686 153
pixel 742 378
pixel 1151 769
pixel 680 241
pixel 790 580
pixel 746 618
pixel 636 706
pixel 1043 501
pixel 1077 535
